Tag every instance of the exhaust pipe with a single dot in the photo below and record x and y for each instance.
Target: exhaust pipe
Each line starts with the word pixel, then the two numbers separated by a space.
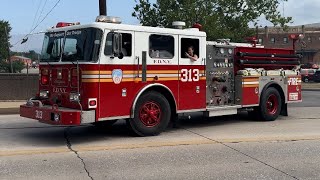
pixel 103 7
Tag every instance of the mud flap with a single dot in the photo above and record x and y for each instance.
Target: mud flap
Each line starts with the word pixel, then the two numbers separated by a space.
pixel 284 110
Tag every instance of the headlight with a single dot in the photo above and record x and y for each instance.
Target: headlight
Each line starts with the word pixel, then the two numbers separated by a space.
pixel 74 97
pixel 44 94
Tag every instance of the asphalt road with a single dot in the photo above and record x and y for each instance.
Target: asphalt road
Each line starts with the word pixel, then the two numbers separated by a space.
pixel 310 99
pixel 232 147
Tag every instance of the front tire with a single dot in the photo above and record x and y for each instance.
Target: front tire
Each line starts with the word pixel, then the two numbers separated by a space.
pixel 151 115
pixel 270 105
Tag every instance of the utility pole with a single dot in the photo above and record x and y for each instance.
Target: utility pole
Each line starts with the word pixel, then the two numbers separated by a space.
pixel 103 7
pixel 8 48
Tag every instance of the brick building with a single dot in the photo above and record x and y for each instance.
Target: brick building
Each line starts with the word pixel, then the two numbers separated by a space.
pixel 25 60
pixel 275 37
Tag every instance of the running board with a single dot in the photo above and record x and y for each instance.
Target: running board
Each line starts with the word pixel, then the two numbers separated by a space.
pixel 221 110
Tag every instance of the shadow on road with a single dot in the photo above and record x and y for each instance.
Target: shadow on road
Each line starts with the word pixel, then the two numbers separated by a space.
pixel 55 136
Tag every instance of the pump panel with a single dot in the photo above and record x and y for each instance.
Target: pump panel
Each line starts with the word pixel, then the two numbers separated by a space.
pixel 220 75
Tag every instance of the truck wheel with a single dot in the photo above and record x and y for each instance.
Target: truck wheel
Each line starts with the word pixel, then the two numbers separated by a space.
pixel 270 105
pixel 151 115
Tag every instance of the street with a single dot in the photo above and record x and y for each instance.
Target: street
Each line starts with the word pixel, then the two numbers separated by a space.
pixel 232 147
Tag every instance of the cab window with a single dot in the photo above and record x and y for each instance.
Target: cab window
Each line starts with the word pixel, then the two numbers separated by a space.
pixel 189 44
pixel 126 44
pixel 161 46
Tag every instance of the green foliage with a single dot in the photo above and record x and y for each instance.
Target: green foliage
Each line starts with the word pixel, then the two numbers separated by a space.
pixel 17 66
pixel 220 18
pixel 3 39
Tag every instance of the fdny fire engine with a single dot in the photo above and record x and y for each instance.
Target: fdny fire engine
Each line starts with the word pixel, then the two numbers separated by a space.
pixel 107 71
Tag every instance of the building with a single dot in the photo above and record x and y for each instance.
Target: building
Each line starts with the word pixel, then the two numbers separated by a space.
pixel 309 47
pixel 25 60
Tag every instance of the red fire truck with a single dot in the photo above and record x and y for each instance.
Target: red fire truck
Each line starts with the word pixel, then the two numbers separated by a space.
pixel 105 71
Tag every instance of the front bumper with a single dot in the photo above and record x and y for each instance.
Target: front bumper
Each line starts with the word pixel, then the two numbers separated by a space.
pixel 56 116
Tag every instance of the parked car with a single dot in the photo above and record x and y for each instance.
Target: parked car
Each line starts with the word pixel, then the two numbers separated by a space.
pixel 316 76
pixel 307 74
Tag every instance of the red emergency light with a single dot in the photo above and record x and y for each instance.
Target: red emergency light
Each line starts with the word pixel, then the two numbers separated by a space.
pixel 198 26
pixel 65 24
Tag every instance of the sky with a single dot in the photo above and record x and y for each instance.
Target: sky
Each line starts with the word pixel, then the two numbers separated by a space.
pixel 24 15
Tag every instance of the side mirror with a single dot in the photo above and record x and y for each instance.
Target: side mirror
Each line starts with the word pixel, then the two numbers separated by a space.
pixel 117 45
pixel 121 55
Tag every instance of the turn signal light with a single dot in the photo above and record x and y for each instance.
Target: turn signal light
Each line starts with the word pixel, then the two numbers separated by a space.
pixel 44 80
pixel 92 103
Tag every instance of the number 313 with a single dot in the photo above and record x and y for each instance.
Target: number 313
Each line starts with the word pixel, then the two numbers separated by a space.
pixel 190 75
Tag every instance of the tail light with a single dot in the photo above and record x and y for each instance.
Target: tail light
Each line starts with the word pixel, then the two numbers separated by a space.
pixel 74 78
pixel 45 77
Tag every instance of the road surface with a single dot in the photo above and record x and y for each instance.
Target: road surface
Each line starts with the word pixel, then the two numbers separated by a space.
pixel 232 147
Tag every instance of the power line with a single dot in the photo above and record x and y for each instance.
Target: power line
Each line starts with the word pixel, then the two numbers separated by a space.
pixel 39 22
pixel 35 16
pixel 44 5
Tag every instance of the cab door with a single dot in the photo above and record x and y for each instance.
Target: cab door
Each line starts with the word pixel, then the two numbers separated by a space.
pixel 116 75
pixel 192 84
pixel 157 60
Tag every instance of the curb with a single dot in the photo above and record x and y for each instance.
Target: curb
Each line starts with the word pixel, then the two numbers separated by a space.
pixel 9 111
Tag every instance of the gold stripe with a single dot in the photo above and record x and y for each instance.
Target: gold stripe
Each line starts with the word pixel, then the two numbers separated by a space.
pixel 96 72
pixel 251 86
pixel 90 80
pixel 130 72
pixel 134 79
pixel 250 80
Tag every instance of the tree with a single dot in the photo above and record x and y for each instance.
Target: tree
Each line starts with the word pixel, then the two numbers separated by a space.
pixel 4 39
pixel 220 18
pixel 17 66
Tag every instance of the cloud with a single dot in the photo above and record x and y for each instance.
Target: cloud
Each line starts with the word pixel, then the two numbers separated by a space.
pixel 303 11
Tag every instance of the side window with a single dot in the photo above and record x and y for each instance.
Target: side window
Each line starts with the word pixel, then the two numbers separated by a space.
pixel 126 44
pixel 161 46
pixel 190 47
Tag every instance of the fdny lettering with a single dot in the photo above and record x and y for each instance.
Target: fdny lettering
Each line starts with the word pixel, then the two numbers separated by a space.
pixel 161 61
pixel 59 90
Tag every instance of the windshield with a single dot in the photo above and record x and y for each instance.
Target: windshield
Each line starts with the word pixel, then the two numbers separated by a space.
pixel 74 45
pixel 52 46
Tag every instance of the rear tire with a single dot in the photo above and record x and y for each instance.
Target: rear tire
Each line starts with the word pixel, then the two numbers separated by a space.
pixel 151 115
pixel 270 105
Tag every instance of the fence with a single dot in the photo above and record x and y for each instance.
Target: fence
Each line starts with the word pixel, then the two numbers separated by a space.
pixel 18 86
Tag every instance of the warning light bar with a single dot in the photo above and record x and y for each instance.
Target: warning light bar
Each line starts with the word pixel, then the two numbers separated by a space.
pixel 65 24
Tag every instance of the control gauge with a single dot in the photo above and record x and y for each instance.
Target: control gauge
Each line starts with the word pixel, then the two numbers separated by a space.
pixel 214 64
pixel 230 51
pixel 221 50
